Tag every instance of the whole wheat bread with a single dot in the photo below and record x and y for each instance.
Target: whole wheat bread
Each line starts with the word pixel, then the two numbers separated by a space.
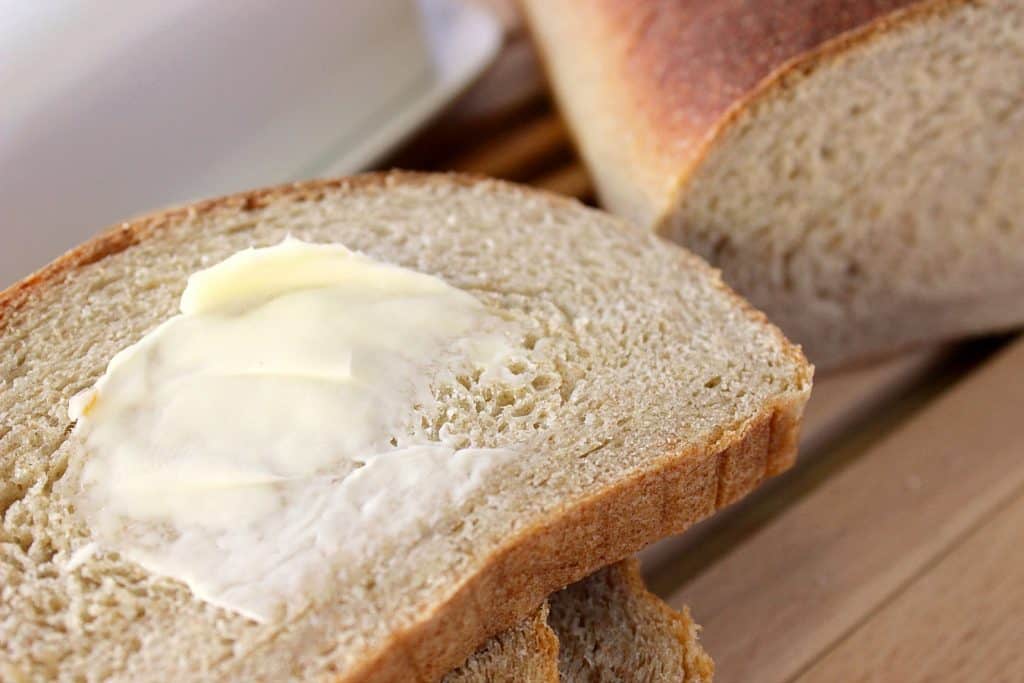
pixel 607 627
pixel 854 168
pixel 527 652
pixel 654 396
pixel 610 628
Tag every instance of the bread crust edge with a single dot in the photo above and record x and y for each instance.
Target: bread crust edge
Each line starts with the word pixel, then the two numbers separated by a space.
pixel 678 490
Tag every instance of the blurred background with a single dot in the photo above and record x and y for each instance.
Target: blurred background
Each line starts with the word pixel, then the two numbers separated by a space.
pixel 112 108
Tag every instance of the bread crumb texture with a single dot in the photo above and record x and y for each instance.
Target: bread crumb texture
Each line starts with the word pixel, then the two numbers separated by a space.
pixel 876 200
pixel 527 653
pixel 610 628
pixel 631 352
pixel 854 168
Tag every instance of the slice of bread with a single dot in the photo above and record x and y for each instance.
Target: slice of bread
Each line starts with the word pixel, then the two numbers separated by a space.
pixel 527 652
pixel 647 395
pixel 854 168
pixel 607 627
pixel 611 628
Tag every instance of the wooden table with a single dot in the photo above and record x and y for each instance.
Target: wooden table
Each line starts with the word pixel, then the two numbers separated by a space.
pixel 894 550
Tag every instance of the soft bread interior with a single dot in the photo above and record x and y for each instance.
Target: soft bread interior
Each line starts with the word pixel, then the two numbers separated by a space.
pixel 607 627
pixel 611 629
pixel 873 199
pixel 527 653
pixel 633 359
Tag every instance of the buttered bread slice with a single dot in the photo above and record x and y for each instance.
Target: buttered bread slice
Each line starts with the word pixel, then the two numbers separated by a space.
pixel 463 396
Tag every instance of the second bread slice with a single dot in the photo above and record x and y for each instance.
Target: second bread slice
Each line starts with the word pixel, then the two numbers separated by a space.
pixel 607 627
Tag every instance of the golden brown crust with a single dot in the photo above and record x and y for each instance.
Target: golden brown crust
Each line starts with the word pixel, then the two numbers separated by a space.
pixel 677 489
pixel 691 61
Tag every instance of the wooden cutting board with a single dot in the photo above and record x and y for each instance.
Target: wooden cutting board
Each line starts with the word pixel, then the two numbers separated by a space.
pixel 894 550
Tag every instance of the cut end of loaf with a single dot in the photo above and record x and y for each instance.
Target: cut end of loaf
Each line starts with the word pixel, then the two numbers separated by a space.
pixel 868 200
pixel 854 173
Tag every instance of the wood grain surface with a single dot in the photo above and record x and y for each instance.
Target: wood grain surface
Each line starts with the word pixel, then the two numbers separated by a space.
pixel 789 591
pixel 892 551
pixel 959 620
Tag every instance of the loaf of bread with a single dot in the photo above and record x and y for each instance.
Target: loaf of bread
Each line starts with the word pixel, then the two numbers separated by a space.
pixel 644 395
pixel 607 627
pixel 854 167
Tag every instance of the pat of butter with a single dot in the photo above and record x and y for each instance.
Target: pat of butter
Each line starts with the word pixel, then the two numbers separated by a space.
pixel 266 437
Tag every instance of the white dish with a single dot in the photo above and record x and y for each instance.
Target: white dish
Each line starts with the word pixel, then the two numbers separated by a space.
pixel 115 108
pixel 463 39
